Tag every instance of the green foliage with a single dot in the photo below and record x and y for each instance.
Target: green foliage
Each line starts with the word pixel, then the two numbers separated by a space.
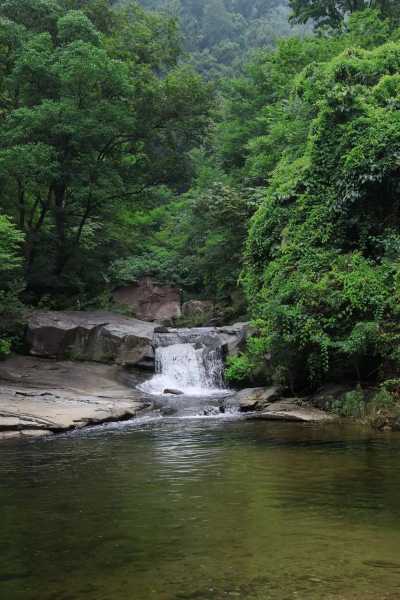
pixel 118 161
pixel 351 404
pixel 239 368
pixel 219 34
pixel 93 117
pixel 321 267
pixel 10 242
pixel 5 348
pixel 262 118
pixel 333 13
pixel 74 26
pixel 213 232
pixel 10 271
pixel 196 240
pixel 382 400
pixel 377 406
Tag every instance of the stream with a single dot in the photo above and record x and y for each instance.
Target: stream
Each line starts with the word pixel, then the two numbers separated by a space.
pixel 201 509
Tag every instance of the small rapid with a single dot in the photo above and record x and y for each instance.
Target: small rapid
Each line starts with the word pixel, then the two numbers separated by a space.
pixel 188 362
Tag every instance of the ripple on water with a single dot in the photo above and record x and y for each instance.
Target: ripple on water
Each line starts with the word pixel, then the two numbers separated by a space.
pixel 194 508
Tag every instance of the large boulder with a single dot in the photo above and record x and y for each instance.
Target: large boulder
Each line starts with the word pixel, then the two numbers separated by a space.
pixel 257 398
pixel 230 339
pixel 96 336
pixel 197 309
pixel 233 337
pixel 150 301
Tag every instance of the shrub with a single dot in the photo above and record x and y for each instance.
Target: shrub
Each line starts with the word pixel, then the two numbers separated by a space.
pixel 239 368
pixel 351 404
pixel 5 348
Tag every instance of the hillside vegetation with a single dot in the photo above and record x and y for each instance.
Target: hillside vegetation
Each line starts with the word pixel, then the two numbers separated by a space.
pixel 218 35
pixel 272 190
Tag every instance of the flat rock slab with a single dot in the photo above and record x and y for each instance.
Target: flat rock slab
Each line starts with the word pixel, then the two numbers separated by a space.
pixel 292 410
pixel 41 396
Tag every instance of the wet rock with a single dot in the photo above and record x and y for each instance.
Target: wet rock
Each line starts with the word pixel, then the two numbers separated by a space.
pixel 97 336
pixel 150 301
pixel 168 411
pixel 10 423
pixel 234 337
pixel 211 411
pixel 35 433
pixel 257 398
pixel 8 435
pixel 172 391
pixel 161 329
pixel 293 409
pixel 230 339
pixel 385 421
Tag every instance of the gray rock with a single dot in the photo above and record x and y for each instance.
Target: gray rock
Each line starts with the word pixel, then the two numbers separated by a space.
pixel 8 435
pixel 211 411
pixel 328 394
pixel 257 398
pixel 97 336
pixel 161 329
pixel 150 301
pixel 293 410
pixel 39 396
pixel 172 391
pixel 230 339
pixel 234 337
pixel 197 308
pixel 35 432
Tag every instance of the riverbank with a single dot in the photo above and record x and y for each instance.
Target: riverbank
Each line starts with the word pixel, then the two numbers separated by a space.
pixel 41 397
pixel 47 392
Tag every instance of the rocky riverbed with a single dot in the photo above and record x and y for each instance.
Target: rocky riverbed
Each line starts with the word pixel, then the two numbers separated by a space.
pixel 45 393
pixel 267 403
pixel 40 396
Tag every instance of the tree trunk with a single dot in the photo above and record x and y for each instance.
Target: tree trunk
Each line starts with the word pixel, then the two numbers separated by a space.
pixel 59 212
pixel 21 205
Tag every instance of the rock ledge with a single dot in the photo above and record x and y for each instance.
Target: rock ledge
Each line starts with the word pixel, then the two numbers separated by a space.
pixel 40 396
pixel 96 336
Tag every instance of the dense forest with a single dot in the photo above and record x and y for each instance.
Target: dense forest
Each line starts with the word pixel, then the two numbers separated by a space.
pixel 219 35
pixel 185 141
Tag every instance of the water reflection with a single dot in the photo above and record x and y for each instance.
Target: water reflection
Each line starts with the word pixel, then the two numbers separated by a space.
pixel 202 509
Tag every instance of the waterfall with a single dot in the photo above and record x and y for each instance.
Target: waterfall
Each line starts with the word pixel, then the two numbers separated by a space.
pixel 188 360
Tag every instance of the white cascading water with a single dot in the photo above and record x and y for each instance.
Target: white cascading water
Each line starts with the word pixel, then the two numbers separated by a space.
pixel 190 368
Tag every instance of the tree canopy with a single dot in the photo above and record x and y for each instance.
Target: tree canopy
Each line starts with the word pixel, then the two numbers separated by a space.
pixel 92 122
pixel 333 13
pixel 218 35
pixel 273 191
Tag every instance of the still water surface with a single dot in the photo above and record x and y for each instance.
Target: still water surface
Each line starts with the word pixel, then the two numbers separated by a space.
pixel 202 509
